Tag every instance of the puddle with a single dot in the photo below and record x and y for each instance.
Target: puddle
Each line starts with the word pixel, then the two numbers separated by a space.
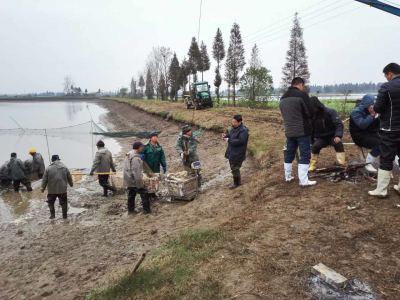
pixel 75 210
pixel 355 290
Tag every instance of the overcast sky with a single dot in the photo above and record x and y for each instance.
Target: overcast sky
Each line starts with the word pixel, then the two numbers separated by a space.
pixel 102 43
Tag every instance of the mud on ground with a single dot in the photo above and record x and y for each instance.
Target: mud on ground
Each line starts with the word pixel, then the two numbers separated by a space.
pixel 280 229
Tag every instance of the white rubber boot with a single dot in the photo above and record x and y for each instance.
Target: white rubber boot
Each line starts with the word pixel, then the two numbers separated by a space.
pixel 381 190
pixel 397 187
pixel 303 176
pixel 288 172
pixel 370 159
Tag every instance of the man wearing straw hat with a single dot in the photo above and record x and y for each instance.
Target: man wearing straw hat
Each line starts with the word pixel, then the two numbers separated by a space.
pixel 55 179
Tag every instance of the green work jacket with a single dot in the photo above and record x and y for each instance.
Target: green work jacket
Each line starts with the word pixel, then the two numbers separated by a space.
pixel 154 157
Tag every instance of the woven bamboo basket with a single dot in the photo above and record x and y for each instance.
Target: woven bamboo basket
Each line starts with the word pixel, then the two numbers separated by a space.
pixel 150 183
pixel 182 190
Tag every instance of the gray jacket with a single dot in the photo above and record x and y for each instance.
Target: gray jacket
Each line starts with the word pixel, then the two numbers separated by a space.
pixel 38 164
pixel 28 165
pixel 103 161
pixel 133 170
pixel 55 178
pixel 16 168
pixel 4 172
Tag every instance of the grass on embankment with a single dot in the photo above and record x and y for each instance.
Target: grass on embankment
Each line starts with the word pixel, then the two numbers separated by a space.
pixel 265 125
pixel 174 271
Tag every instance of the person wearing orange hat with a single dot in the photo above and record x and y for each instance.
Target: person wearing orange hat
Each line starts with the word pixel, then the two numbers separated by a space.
pixel 38 163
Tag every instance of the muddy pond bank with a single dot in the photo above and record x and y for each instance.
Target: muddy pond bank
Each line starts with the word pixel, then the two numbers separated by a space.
pixel 56 259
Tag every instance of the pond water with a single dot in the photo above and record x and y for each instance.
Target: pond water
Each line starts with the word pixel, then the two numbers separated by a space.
pixel 75 145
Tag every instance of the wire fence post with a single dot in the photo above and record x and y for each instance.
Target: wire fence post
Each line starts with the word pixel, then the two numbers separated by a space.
pixel 47 141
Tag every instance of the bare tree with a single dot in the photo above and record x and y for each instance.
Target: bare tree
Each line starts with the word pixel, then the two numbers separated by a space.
pixel 154 64
pixel 166 57
pixel 68 84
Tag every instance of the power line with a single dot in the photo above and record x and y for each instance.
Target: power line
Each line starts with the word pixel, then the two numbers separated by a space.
pixel 198 33
pixel 315 24
pixel 246 43
pixel 282 19
pixel 252 39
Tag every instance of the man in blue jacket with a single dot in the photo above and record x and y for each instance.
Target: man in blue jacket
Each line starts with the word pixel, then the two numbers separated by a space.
pixel 237 146
pixel 388 106
pixel 327 130
pixel 364 127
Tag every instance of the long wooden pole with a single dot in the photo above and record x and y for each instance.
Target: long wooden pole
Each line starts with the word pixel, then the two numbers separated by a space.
pixel 48 149
pixel 103 173
pixel 17 124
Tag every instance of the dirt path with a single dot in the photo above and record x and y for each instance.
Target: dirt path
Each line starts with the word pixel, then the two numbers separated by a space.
pixel 66 260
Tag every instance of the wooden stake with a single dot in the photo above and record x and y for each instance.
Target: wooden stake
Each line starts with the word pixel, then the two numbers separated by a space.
pixel 104 173
pixel 48 149
pixel 139 263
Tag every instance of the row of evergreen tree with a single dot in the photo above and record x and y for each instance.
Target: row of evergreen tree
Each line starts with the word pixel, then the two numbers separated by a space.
pixel 164 75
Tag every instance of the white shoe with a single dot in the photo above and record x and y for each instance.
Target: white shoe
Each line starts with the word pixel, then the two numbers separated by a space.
pixel 303 175
pixel 370 159
pixel 288 172
pixel 381 190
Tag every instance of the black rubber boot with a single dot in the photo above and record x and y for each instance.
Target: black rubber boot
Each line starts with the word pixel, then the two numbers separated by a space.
pixel 64 210
pixel 146 204
pixel 29 187
pixel 52 211
pixel 105 194
pixel 236 183
pixel 113 189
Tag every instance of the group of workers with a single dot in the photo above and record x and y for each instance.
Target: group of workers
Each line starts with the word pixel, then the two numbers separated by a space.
pixel 374 125
pixel 56 177
pixel 153 155
pixel 16 172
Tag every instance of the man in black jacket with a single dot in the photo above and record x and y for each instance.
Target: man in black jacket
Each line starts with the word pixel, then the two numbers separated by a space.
pixel 327 130
pixel 388 106
pixel 296 109
pixel 237 145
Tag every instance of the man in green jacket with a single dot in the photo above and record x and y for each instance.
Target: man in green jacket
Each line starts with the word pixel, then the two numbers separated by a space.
pixel 153 155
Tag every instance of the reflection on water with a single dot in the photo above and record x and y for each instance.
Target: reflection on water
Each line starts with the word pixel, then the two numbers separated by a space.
pixel 17 203
pixel 75 146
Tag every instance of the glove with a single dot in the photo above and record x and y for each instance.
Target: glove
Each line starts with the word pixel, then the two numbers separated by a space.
pixel 91 173
pixel 164 169
pixel 115 171
pixel 182 155
pixel 143 157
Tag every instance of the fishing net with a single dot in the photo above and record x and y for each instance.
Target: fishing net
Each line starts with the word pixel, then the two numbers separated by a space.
pixel 78 132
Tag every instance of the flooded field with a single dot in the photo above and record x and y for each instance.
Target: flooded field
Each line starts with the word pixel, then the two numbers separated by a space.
pixel 74 143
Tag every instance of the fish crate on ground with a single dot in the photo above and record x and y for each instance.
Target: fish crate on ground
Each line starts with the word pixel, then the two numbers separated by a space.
pixel 150 183
pixel 182 188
